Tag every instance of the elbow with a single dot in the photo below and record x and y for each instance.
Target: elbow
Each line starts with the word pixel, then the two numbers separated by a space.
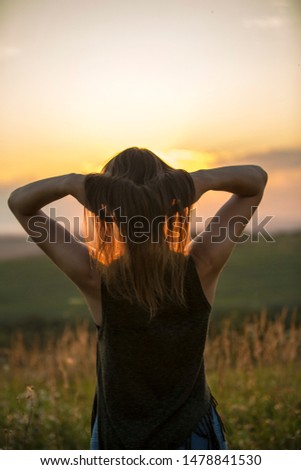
pixel 262 177
pixel 12 201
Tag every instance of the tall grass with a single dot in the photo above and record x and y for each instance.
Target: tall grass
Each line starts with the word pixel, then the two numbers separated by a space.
pixel 254 372
pixel 260 341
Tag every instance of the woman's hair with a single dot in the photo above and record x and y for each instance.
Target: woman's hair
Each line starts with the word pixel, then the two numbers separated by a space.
pixel 138 208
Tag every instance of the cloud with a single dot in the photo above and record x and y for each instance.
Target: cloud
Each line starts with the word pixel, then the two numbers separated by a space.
pixel 278 159
pixel 7 52
pixel 268 22
pixel 272 160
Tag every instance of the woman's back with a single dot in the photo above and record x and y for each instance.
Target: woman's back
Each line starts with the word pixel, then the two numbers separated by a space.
pixel 151 381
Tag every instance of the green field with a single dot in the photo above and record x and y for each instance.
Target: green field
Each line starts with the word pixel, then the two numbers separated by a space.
pixel 33 292
pixel 262 275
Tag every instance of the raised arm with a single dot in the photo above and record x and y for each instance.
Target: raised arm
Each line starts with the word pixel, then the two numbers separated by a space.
pixel 243 180
pixel 212 248
pixel 69 254
pixel 28 199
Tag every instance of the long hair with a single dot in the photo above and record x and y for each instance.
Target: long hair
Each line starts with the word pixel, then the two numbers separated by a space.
pixel 138 208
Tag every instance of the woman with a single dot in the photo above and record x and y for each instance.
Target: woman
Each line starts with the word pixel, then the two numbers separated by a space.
pixel 149 288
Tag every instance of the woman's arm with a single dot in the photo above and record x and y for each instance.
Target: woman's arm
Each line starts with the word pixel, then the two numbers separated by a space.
pixel 55 239
pixel 212 248
pixel 243 180
pixel 28 199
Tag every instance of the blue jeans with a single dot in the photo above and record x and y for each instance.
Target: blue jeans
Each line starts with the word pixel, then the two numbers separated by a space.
pixel 196 440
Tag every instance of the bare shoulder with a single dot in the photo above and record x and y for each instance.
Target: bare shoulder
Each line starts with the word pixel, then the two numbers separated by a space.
pixel 92 293
pixel 207 276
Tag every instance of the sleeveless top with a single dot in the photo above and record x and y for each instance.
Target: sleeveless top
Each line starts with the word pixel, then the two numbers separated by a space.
pixel 151 386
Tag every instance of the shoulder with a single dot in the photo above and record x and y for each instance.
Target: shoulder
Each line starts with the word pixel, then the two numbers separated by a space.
pixel 91 290
pixel 206 274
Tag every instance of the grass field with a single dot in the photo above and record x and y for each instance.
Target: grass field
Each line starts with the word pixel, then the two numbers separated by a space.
pixel 47 352
pixel 262 275
pixel 47 391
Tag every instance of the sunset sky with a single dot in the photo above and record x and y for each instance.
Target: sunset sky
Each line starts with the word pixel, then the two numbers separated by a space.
pixel 202 83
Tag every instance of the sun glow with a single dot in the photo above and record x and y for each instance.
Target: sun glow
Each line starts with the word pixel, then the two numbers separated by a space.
pixel 190 160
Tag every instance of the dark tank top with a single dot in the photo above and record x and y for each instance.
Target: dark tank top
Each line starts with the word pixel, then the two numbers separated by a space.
pixel 151 385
